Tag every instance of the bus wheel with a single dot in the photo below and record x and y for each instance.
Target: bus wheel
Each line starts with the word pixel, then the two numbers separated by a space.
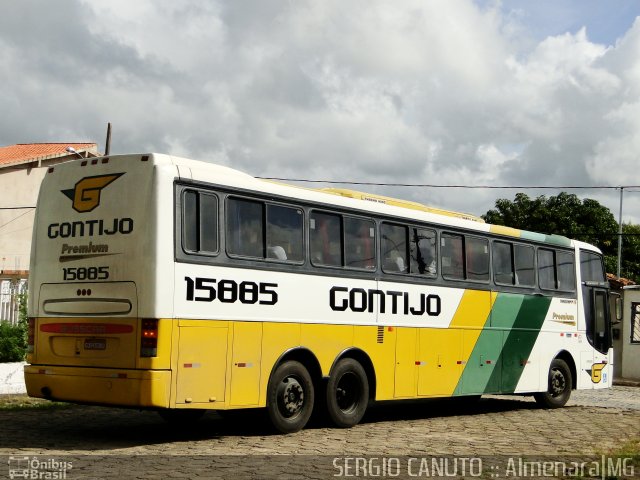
pixel 347 393
pixel 290 397
pixel 559 389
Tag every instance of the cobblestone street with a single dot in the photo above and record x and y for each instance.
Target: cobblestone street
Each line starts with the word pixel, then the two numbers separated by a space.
pixel 106 440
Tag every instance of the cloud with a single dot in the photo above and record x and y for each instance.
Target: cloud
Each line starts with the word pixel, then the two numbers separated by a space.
pixel 439 92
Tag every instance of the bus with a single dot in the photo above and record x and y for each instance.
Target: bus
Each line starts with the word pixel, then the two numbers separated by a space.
pixel 164 283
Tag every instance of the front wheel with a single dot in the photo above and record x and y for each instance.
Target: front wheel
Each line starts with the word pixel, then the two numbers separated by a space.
pixel 559 386
pixel 347 393
pixel 290 397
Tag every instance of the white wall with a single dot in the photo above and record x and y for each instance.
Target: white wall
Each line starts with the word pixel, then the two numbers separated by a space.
pixel 12 378
pixel 19 189
pixel 630 351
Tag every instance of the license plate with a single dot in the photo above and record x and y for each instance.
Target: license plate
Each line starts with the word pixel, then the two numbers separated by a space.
pixel 95 344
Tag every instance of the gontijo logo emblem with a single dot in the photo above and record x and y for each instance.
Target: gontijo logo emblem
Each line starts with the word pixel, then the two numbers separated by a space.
pixel 86 194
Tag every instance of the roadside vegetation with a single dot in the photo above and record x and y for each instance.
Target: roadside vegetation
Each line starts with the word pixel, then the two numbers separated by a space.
pixel 13 338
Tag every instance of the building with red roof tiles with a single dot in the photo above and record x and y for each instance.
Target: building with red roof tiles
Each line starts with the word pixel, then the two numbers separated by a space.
pixel 22 168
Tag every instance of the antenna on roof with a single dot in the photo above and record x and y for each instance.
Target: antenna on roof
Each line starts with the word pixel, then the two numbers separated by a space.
pixel 107 146
pixel 70 149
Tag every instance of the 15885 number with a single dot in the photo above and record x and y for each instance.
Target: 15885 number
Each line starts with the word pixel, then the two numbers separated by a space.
pixel 85 273
pixel 229 291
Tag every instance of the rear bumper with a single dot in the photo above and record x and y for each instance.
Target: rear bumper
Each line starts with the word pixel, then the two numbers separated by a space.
pixel 135 388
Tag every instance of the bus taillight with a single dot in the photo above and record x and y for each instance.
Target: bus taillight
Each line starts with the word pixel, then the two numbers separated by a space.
pixel 31 334
pixel 149 338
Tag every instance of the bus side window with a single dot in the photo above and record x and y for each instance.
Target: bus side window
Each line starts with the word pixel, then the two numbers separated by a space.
pixel 359 240
pixel 394 248
pixel 245 228
pixel 284 233
pixel 546 269
pixel 199 222
pixel 525 266
pixel 477 250
pixel 452 256
pixel 502 263
pixel 566 271
pixel 423 251
pixel 325 239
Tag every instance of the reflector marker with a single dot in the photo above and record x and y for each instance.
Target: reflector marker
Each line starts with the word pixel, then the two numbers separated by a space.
pixel 85 328
pixel 244 365
pixel 192 365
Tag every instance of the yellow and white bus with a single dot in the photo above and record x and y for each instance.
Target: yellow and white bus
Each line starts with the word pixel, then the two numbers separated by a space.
pixel 172 284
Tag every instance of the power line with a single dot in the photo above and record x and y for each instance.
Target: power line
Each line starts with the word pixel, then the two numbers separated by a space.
pixel 16 208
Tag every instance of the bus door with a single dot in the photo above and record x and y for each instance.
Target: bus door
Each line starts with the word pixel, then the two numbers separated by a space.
pixel 598 327
pixel 595 299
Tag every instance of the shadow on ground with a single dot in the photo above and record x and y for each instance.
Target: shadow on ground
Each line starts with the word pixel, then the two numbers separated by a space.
pixel 90 428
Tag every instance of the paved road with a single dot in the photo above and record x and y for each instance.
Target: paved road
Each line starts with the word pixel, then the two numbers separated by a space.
pixel 107 443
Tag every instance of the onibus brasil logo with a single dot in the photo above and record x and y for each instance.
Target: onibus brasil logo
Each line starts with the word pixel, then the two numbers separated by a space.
pixel 86 193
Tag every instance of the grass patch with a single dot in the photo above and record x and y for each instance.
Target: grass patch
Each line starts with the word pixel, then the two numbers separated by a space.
pixel 629 449
pixel 24 402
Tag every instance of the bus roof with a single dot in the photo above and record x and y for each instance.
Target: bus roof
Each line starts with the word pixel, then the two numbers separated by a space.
pixel 365 202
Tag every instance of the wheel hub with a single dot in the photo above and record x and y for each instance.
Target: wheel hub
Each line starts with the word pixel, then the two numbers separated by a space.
pixel 557 383
pixel 292 396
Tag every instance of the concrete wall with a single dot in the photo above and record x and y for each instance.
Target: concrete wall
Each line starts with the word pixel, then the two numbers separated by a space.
pixel 19 188
pixel 12 378
pixel 630 351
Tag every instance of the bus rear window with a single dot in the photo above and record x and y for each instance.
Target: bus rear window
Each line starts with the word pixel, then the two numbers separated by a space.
pixel 200 222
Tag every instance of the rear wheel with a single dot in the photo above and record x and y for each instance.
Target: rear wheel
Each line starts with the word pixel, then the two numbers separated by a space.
pixel 290 397
pixel 347 393
pixel 559 386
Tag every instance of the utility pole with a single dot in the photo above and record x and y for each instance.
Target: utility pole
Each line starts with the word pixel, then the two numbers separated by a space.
pixel 620 233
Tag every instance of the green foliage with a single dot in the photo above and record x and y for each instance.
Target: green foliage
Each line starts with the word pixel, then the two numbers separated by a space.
pixel 630 267
pixel 13 338
pixel 565 214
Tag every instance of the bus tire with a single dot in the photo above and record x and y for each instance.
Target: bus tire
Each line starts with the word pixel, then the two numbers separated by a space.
pixel 559 386
pixel 347 394
pixel 290 397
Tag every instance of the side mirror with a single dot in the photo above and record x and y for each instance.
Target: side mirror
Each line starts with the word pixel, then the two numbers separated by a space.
pixel 617 305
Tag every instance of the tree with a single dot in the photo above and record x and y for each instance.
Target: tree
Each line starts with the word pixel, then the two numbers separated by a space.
pixel 565 214
pixel 630 267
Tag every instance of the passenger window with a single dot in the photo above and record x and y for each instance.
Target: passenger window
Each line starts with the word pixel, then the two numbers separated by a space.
pixel 503 271
pixel 360 243
pixel 284 233
pixel 525 267
pixel 245 228
pixel 546 269
pixel 394 248
pixel 566 271
pixel 452 256
pixel 325 236
pixel 199 222
pixel 477 258
pixel 423 251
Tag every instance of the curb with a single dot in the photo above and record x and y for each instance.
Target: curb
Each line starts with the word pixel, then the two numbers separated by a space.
pixel 625 382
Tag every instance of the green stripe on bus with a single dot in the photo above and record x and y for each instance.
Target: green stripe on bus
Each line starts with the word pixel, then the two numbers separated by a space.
pixel 537 237
pixel 520 340
pixel 504 346
pixel 558 240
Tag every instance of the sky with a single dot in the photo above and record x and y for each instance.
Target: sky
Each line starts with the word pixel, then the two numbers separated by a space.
pixel 427 92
